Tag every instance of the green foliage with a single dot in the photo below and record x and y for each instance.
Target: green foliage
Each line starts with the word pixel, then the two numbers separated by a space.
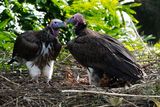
pixel 29 15
pixel 34 15
pixel 7 38
pixel 128 10
pixel 100 14
pixel 149 37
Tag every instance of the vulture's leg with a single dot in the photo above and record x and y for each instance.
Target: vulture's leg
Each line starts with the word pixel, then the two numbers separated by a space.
pixel 48 71
pixel 93 76
pixel 34 71
pixel 89 71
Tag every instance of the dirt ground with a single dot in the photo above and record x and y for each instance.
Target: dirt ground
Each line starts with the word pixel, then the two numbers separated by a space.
pixel 17 90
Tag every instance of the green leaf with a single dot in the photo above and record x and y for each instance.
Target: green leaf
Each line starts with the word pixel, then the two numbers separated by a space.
pixel 43 1
pixel 6 3
pixel 7 36
pixel 135 5
pixel 4 23
pixel 38 1
pixel 7 39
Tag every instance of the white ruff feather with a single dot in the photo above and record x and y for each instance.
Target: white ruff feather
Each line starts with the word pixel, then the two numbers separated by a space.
pixel 45 49
pixel 34 71
pixel 48 70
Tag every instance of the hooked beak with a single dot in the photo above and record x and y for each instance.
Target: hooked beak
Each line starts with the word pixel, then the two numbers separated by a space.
pixel 63 24
pixel 69 21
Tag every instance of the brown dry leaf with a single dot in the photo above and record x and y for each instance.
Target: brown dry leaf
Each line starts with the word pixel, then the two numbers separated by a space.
pixel 69 76
pixel 84 80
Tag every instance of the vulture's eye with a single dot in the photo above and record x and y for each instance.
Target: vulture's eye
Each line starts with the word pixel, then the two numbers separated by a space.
pixel 55 22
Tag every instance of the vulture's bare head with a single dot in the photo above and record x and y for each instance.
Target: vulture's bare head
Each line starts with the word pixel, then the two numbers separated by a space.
pixel 57 23
pixel 77 19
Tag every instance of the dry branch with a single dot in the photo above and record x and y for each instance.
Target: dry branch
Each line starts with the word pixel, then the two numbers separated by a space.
pixel 150 64
pixel 65 58
pixel 136 86
pixel 110 94
pixel 40 98
pixel 9 80
pixel 130 103
pixel 4 105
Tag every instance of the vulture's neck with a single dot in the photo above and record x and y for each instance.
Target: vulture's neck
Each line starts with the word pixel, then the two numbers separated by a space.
pixel 80 28
pixel 52 31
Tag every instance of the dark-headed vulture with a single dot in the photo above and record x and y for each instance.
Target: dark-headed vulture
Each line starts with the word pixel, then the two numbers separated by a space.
pixel 105 58
pixel 39 49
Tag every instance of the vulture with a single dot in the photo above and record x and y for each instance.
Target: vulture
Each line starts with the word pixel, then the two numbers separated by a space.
pixel 105 57
pixel 38 50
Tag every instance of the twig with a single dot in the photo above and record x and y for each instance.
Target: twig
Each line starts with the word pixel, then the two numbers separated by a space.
pixel 39 98
pixel 17 102
pixel 9 80
pixel 150 64
pixel 106 105
pixel 130 103
pixel 111 94
pixel 149 60
pixel 65 58
pixel 133 87
pixel 4 105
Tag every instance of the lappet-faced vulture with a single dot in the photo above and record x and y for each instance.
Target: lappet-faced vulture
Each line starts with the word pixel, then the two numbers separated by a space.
pixel 104 56
pixel 39 49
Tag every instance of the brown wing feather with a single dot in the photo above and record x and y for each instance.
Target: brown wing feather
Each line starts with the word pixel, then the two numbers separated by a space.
pixel 26 46
pixel 102 53
pixel 57 48
pixel 121 49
